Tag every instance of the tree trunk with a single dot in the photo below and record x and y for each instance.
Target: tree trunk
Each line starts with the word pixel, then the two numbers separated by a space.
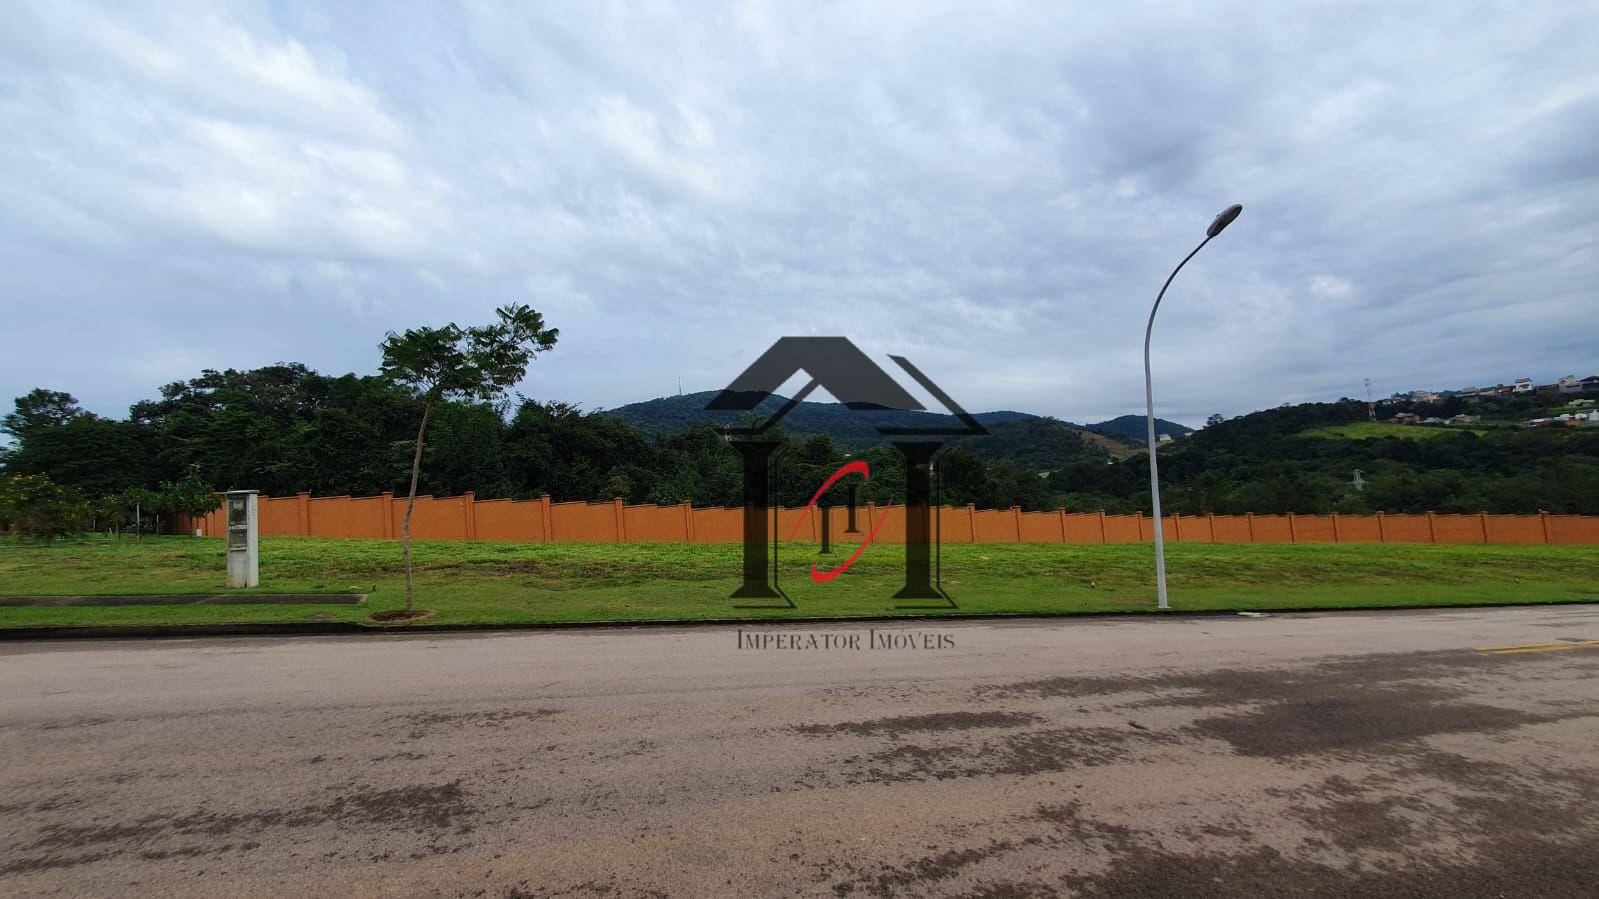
pixel 410 502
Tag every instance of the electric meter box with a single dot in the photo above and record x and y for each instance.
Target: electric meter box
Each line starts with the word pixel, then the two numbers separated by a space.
pixel 244 555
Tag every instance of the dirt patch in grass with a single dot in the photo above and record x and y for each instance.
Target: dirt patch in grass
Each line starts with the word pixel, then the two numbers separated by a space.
pixel 402 616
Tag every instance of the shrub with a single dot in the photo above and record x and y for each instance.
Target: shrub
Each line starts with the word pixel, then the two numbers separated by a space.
pixel 34 505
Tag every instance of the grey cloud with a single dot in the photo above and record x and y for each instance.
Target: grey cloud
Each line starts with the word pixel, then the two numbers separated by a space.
pixel 995 193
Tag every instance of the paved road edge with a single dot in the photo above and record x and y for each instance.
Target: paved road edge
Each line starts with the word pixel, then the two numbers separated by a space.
pixel 312 628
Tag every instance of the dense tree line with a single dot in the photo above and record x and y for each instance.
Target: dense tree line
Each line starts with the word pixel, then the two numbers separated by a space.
pixel 284 428
pixel 1266 462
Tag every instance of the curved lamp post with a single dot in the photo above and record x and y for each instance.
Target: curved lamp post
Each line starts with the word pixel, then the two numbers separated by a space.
pixel 1221 221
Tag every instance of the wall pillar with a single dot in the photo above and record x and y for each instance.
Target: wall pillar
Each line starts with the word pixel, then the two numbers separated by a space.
pixel 1061 514
pixel 1016 520
pixel 688 522
pixel 387 505
pixel 1382 530
pixel 1293 537
pixel 621 519
pixel 1483 517
pixel 469 513
pixel 548 533
pixel 1210 519
pixel 1543 516
pixel 1249 521
pixel 1102 538
pixel 1335 526
pixel 1432 527
pixel 303 505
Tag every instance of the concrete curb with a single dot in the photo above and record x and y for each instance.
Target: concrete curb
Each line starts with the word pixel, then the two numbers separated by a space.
pixel 314 628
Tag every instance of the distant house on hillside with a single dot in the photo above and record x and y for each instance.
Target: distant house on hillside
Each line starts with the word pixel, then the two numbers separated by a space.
pixel 1524 385
pixel 1405 418
pixel 1569 384
pixel 1424 396
pixel 1590 383
pixel 1464 419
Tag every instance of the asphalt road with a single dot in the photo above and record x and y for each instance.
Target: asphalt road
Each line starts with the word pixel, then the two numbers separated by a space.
pixel 1350 754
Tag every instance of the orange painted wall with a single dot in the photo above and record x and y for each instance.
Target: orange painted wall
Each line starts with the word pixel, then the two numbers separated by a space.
pixel 1573 529
pixel 583 522
pixel 655 524
pixel 1083 527
pixel 468 518
pixel 1357 528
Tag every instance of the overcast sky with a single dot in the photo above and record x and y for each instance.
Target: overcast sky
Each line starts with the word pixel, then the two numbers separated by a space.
pixel 994 190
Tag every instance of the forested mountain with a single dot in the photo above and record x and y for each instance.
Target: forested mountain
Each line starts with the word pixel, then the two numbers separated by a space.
pixel 1136 428
pixel 1043 445
pixel 1305 458
pixel 850 429
pixel 284 428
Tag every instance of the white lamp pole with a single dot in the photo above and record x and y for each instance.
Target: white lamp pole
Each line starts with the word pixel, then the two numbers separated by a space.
pixel 1221 221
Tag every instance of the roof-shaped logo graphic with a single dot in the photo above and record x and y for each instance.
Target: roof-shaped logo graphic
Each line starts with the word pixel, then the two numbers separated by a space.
pixel 838 366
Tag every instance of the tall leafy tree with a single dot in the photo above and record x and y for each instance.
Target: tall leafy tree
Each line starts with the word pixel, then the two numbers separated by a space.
pixel 40 409
pixel 190 495
pixel 476 363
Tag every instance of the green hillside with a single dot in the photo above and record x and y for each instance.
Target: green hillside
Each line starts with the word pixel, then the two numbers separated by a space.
pixel 283 429
pixel 1305 458
pixel 1043 445
pixel 850 429
pixel 1369 430
pixel 1135 428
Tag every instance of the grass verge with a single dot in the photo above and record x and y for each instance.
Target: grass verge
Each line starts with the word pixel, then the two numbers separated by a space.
pixel 525 583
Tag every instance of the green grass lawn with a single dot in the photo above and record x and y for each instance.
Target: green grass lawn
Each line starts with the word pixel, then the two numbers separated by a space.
pixel 1366 430
pixel 507 583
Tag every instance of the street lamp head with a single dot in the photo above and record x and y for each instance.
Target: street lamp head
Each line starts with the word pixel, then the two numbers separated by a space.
pixel 1223 220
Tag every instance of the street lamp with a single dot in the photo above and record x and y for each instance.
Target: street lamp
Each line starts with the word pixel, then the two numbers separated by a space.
pixel 1221 221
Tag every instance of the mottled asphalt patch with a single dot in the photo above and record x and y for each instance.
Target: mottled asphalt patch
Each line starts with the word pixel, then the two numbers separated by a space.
pixel 1373 711
pixel 1076 770
pixel 1338 704
pixel 426 809
pixel 423 724
pixel 1043 751
pixel 908 724
pixel 893 881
